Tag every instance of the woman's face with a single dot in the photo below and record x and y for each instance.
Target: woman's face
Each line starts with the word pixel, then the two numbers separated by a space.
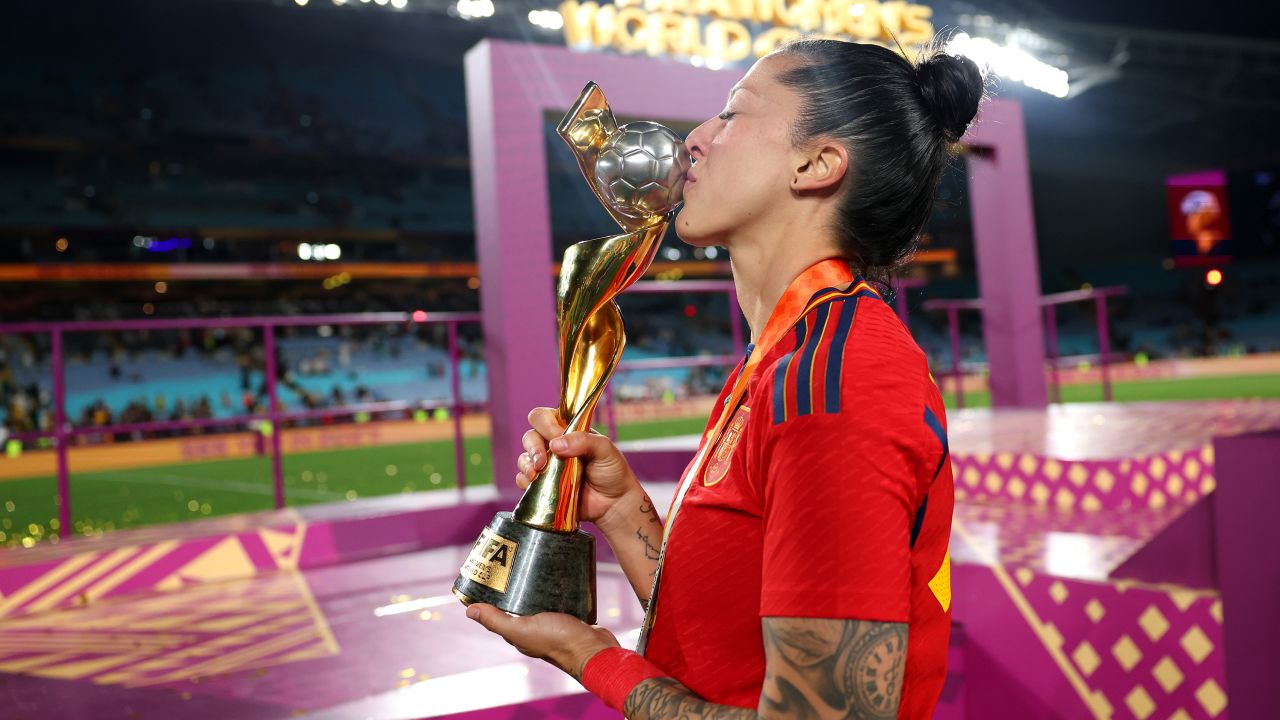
pixel 743 158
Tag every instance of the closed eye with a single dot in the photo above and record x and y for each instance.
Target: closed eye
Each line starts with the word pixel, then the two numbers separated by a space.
pixel 726 115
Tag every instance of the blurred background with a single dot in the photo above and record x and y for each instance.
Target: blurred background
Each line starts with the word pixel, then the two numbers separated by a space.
pixel 210 203
pixel 223 158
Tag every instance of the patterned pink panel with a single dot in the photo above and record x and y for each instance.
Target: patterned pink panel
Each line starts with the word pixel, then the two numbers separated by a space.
pixel 1056 647
pixel 1155 481
pixel 112 566
pixel 1151 651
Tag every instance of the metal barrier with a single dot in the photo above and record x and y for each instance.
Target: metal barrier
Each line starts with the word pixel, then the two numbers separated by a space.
pixel 62 432
pixel 650 287
pixel 735 327
pixel 1049 304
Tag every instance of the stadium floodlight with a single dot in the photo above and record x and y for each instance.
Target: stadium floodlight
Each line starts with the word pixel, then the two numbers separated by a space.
pixel 304 251
pixel 301 3
pixel 332 252
pixel 1012 63
pixel 472 9
pixel 399 4
pixel 546 19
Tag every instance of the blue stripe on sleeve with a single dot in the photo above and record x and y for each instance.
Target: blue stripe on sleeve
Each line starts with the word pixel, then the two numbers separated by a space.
pixel 780 377
pixel 835 356
pixel 804 389
pixel 936 426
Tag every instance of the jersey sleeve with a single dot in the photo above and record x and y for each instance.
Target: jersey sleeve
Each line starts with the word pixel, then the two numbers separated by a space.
pixel 840 459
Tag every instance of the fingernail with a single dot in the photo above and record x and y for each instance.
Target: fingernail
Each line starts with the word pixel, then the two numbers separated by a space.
pixel 535 457
pixel 473 612
pixel 559 444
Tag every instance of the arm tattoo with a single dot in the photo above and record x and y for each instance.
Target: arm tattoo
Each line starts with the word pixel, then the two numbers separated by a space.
pixel 816 668
pixel 646 507
pixel 666 699
pixel 650 552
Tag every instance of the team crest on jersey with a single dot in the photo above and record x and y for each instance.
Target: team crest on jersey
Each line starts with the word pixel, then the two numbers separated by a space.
pixel 720 459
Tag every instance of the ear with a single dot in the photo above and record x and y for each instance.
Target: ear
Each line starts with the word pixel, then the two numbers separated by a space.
pixel 820 168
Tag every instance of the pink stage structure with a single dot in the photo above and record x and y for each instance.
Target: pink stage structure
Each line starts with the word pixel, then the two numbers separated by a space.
pixel 512 87
pixel 1109 561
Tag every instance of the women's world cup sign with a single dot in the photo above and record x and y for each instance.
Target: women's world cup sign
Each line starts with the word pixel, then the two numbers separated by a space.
pixel 722 31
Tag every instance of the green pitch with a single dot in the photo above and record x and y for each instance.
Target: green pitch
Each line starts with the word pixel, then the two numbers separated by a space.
pixel 115 499
pixel 1207 388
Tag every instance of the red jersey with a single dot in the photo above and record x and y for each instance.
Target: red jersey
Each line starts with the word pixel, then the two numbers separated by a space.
pixel 829 494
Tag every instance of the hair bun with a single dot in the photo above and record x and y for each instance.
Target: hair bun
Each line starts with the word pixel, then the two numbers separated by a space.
pixel 952 87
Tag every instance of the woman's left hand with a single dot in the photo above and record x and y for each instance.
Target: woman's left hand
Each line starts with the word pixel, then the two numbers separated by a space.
pixel 562 640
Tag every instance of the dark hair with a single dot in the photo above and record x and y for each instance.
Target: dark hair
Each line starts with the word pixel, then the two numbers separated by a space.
pixel 899 121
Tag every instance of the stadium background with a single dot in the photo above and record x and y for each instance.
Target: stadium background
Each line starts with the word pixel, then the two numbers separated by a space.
pixel 171 161
pixel 250 158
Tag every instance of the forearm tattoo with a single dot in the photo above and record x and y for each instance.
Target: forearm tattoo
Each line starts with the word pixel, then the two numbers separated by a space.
pixel 665 698
pixel 815 668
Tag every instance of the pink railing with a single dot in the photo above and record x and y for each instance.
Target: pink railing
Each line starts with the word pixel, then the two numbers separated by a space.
pixel 1049 304
pixel 62 431
pixel 648 287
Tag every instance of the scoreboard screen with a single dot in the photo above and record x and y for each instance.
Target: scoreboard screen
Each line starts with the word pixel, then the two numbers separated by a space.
pixel 1199 218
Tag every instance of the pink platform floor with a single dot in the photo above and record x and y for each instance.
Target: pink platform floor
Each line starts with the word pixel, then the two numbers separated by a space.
pixel 1055 616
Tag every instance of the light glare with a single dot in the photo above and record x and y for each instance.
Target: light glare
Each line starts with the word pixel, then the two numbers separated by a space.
pixel 1012 63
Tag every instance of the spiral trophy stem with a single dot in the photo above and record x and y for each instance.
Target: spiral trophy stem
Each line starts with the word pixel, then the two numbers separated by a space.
pixel 536 559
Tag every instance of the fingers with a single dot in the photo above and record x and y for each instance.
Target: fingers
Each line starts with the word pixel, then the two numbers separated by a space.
pixel 582 444
pixel 546 421
pixel 535 453
pixel 546 424
pixel 495 620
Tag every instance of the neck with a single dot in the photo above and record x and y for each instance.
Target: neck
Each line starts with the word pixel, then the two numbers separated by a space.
pixel 761 274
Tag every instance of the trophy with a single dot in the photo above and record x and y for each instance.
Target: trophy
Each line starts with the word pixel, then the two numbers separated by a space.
pixel 537 559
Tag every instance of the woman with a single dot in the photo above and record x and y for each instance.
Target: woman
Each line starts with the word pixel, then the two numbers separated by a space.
pixel 805 570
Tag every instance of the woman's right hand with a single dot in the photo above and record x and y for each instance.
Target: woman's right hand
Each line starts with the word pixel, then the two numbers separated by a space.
pixel 606 475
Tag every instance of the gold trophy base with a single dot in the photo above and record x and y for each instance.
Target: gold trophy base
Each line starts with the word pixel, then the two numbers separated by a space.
pixel 526 570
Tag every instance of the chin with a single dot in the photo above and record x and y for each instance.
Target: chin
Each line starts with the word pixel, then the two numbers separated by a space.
pixel 688 231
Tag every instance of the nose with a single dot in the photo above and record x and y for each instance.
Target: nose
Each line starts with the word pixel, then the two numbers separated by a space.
pixel 695 143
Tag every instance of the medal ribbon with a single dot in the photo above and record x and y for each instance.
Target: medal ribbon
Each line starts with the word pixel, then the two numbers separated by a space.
pixel 795 303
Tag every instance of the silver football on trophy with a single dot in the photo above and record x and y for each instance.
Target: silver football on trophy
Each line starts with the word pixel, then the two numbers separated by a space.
pixel 641 169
